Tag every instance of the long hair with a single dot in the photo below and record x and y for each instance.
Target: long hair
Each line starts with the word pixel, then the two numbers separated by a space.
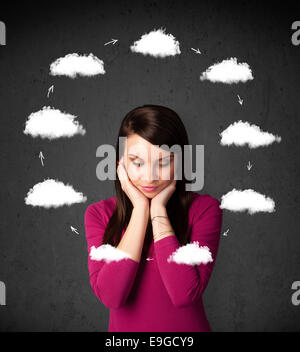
pixel 158 125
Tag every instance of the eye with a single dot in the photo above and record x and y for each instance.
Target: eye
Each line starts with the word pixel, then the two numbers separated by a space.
pixel 165 164
pixel 136 164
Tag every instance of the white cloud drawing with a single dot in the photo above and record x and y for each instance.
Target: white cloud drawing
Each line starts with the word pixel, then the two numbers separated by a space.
pixel 241 133
pixel 156 43
pixel 191 254
pixel 73 65
pixel 52 193
pixel 108 253
pixel 247 200
pixel 52 123
pixel 228 71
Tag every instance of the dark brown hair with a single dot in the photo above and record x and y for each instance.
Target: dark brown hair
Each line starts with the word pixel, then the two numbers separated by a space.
pixel 158 125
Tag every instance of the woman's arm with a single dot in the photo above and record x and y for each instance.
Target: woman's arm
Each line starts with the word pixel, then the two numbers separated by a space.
pixel 133 239
pixel 161 225
pixel 112 281
pixel 185 283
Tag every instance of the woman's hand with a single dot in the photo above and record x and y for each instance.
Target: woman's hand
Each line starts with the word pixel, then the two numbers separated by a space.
pixel 136 197
pixel 161 199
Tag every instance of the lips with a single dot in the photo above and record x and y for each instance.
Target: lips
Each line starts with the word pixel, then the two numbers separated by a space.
pixel 149 189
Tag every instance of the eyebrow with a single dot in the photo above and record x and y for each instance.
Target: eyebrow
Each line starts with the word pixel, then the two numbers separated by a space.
pixel 137 157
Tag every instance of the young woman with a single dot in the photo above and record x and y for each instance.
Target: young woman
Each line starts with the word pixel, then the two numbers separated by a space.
pixel 152 250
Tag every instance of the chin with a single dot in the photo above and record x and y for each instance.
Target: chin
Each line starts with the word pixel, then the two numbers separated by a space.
pixel 150 196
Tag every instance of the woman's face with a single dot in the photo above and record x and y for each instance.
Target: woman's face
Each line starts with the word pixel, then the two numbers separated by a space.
pixel 148 165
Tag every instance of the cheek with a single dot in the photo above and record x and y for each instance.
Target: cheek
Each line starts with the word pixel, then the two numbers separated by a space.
pixel 133 173
pixel 167 173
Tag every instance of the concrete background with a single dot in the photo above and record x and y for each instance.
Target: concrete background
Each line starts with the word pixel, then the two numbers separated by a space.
pixel 42 262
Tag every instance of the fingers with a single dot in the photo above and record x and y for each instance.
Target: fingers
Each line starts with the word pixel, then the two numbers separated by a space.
pixel 172 185
pixel 126 184
pixel 122 161
pixel 121 172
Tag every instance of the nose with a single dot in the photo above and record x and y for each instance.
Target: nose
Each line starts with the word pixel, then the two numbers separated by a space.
pixel 150 174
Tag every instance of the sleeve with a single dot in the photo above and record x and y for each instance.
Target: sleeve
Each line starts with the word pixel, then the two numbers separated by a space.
pixel 185 282
pixel 111 281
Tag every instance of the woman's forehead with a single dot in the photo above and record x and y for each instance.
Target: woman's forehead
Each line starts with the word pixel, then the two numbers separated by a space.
pixel 144 149
pixel 135 156
pixel 144 155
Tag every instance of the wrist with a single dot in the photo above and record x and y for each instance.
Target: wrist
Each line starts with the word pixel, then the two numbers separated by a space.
pixel 158 210
pixel 144 208
pixel 163 235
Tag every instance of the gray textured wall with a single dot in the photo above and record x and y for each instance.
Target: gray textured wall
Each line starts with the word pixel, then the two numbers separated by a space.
pixel 44 264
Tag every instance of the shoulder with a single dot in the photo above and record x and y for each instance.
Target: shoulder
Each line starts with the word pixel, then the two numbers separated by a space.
pixel 202 202
pixel 101 209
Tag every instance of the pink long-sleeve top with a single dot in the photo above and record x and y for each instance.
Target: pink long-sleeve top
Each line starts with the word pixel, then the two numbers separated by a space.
pixel 155 294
